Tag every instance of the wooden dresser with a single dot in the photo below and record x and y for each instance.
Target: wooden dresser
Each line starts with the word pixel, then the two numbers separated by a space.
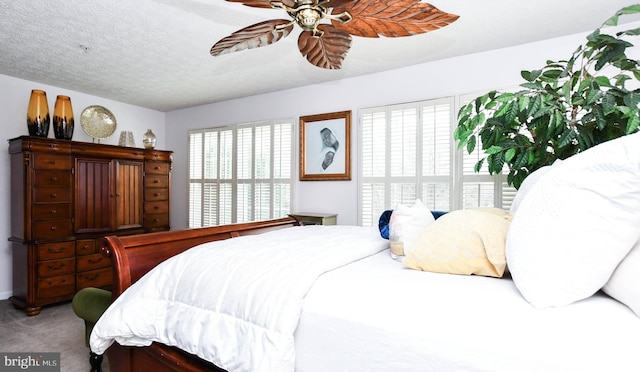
pixel 66 197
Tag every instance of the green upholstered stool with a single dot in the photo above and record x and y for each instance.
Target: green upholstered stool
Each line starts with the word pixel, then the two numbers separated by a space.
pixel 89 304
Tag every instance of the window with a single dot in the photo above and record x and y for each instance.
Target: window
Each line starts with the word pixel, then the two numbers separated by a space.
pixel 408 152
pixel 240 173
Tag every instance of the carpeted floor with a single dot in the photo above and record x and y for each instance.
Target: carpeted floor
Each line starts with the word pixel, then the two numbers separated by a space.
pixel 55 330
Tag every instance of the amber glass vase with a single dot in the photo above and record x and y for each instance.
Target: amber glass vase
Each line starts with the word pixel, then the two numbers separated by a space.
pixel 63 118
pixel 38 119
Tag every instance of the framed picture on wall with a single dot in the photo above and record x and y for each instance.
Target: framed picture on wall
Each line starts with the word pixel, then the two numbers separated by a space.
pixel 325 147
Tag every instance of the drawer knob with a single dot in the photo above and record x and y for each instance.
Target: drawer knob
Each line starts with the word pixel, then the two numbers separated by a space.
pixel 54 250
pixel 53 211
pixel 156 194
pixel 54 195
pixel 156 168
pixel 52 161
pixel 156 220
pixel 156 207
pixel 53 228
pixel 156 181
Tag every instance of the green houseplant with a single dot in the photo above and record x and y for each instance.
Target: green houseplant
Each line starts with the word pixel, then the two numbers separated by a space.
pixel 564 108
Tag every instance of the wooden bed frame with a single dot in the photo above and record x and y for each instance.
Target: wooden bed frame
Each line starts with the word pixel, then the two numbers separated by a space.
pixel 133 256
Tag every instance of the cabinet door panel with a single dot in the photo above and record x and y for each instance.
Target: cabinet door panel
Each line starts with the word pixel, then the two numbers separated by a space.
pixel 129 192
pixel 93 195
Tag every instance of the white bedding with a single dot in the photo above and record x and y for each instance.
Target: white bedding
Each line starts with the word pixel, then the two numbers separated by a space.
pixel 375 315
pixel 235 303
pixel 370 315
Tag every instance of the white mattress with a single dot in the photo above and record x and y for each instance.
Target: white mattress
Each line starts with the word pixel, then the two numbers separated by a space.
pixel 375 315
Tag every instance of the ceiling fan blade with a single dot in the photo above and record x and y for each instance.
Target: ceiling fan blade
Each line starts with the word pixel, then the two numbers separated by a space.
pixel 265 3
pixel 254 36
pixel 340 3
pixel 326 51
pixel 253 3
pixel 392 18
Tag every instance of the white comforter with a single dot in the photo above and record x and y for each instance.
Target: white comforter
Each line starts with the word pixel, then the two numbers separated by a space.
pixel 237 302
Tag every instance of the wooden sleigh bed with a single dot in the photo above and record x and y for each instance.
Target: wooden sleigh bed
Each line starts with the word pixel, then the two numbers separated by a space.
pixel 133 256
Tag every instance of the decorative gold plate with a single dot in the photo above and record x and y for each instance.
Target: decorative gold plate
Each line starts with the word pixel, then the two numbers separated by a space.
pixel 98 121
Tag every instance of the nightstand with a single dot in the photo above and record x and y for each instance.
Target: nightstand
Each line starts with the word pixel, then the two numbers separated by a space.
pixel 315 218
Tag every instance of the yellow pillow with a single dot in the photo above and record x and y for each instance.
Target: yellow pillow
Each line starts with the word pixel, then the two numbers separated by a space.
pixel 469 241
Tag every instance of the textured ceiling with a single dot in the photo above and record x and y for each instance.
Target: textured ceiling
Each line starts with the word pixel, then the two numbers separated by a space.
pixel 155 53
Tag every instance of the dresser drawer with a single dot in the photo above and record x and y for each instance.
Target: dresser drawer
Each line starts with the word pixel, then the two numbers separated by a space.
pixel 51 161
pixel 56 267
pixel 56 286
pixel 95 278
pixel 85 246
pixel 53 178
pixel 152 221
pixel 51 195
pixel 55 211
pixel 156 181
pixel 91 262
pixel 156 207
pixel 51 229
pixel 156 194
pixel 153 167
pixel 52 251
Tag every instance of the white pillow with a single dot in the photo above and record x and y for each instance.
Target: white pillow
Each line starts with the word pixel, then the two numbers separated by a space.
pixel 406 224
pixel 576 224
pixel 624 284
pixel 528 183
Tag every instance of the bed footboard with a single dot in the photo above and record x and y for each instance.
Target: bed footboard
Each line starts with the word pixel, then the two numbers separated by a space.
pixel 135 255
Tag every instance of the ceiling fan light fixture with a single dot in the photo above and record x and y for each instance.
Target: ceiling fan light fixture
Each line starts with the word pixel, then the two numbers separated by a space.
pixel 308 18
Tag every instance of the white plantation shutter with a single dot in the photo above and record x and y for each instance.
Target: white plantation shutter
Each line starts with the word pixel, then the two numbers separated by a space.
pixel 405 155
pixel 408 152
pixel 241 173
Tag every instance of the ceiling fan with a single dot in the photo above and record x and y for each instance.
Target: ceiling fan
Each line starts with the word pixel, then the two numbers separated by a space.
pixel 326 44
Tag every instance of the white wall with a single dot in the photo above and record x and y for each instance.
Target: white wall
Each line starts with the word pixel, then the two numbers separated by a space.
pixel 468 74
pixel 14 95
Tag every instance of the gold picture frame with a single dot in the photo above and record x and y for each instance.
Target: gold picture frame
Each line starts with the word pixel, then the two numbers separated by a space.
pixel 325 147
